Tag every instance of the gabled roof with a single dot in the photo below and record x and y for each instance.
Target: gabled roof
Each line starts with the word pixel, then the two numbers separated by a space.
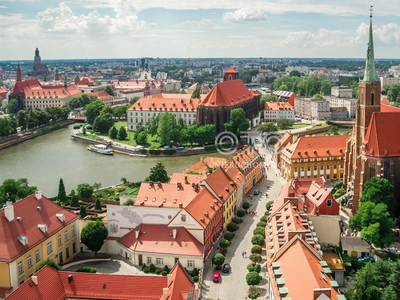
pixel 31 217
pixel 233 171
pixel 166 102
pixel 228 93
pixel 159 239
pixel 278 106
pixel 383 135
pixel 221 184
pixel 205 164
pixel 32 89
pixel 182 287
pixel 186 178
pixel 101 95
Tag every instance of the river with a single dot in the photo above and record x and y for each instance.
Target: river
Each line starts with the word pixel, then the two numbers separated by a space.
pixel 47 158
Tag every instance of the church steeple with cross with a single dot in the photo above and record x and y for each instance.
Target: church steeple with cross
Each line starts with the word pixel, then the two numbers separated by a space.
pixel 369 74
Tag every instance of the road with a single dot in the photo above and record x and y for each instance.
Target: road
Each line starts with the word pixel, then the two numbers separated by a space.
pixel 233 285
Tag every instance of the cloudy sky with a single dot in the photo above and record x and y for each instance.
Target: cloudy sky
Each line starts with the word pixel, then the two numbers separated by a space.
pixel 73 29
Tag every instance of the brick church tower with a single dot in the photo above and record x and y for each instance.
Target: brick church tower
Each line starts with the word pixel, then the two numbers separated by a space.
pixel 231 74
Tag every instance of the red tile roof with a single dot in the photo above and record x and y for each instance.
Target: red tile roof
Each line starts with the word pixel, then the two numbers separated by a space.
pixel 27 209
pixel 221 184
pixel 317 146
pixel 186 178
pixel 181 284
pixel 167 102
pixel 206 164
pixel 231 70
pixel 33 89
pixel 101 95
pixel 233 171
pixel 278 106
pixel 228 93
pixel 159 239
pixel 380 141
pixel 386 107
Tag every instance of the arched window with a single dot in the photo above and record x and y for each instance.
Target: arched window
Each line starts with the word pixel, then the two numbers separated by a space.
pixel 371 170
pixel 372 98
pixel 230 77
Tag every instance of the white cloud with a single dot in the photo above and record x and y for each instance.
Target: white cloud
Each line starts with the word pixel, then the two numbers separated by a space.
pixel 204 23
pixel 245 15
pixel 11 19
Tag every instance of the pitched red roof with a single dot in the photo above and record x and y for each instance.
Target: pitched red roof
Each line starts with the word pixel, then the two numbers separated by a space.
pixel 205 164
pixel 181 285
pixel 10 247
pixel 186 178
pixel 228 93
pixel 166 102
pixel 101 95
pixel 33 89
pixel 221 184
pixel 278 106
pixel 231 70
pixel 159 239
pixel 386 107
pixel 383 135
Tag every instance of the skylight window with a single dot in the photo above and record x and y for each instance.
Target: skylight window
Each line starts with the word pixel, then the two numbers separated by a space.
pixel 154 199
pixel 164 200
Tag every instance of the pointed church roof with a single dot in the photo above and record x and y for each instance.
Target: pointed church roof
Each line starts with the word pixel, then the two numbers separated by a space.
pixel 369 74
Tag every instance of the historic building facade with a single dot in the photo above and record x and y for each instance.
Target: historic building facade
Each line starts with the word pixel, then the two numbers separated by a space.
pixel 373 149
pixel 39 68
pixel 226 96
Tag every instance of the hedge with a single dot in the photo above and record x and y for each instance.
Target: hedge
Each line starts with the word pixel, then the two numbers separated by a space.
pixel 86 270
pixel 169 151
pixel 154 151
pixel 209 148
pixel 143 151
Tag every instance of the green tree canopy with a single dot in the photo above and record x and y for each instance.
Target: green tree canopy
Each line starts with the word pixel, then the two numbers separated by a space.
pixel 97 205
pixel 394 93
pixel 141 138
pixel 109 90
pixel 62 195
pixel 133 100
pixel 238 122
pixel 267 127
pixel 295 73
pixel 158 173
pixel 12 190
pixel 85 190
pixel 103 123
pixel 113 132
pixel 284 123
pixel 93 235
pixel 379 190
pixel 93 110
pixel 12 106
pixel 120 111
pixel 75 201
pixel 218 259
pixel 21 119
pixel 164 127
pixel 48 262
pixel 196 93
pixel 253 278
pixel 82 211
pixel 122 134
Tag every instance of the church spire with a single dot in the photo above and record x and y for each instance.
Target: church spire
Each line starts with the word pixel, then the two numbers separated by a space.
pixel 19 77
pixel 369 74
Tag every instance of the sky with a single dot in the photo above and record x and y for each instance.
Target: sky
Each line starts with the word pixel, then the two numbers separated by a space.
pixel 78 29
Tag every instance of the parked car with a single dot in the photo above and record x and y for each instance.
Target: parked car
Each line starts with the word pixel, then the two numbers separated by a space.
pixel 226 268
pixel 391 249
pixel 256 192
pixel 217 277
pixel 366 259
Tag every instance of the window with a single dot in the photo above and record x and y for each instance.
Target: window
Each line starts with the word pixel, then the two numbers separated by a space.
pixel 20 267
pixel 148 260
pixel 302 169
pixel 67 253
pixel 49 247
pixel 295 169
pixel 29 259
pixel 73 230
pixel 328 176
pixel 37 255
pixel 308 169
pixel 59 240
pixel 66 236
pixel 329 203
pixel 159 261
pixel 73 248
pixel 315 168
pixel 190 263
pixel 322 167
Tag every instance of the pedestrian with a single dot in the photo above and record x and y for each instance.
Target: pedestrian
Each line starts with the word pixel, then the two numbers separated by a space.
pixel 242 253
pixel 245 253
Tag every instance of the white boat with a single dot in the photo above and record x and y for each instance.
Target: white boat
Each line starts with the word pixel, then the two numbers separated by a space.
pixel 102 149
pixel 137 155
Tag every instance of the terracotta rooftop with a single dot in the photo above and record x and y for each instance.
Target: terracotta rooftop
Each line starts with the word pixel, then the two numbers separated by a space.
pixel 160 239
pixel 32 89
pixel 233 171
pixel 186 178
pixel 278 106
pixel 166 102
pixel 379 141
pixel 101 95
pixel 221 184
pixel 206 164
pixel 28 214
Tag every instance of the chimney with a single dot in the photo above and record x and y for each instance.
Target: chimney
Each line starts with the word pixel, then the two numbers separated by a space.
pixel 186 181
pixel 9 211
pixel 174 233
pixel 165 293
pixel 169 278
pixel 34 280
pixel 180 205
pixel 137 233
pixel 38 195
pixel 69 278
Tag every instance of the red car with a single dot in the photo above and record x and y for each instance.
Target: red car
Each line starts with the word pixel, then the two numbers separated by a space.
pixel 216 277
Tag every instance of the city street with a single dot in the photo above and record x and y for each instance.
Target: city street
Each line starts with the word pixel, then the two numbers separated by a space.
pixel 233 285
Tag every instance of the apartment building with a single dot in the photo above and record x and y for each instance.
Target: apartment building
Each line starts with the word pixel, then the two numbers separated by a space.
pixel 274 111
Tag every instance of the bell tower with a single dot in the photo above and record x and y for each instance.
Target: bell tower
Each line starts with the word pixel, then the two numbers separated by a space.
pixel 19 77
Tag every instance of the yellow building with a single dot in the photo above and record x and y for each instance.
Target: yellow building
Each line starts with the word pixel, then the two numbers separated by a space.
pixel 32 230
pixel 314 156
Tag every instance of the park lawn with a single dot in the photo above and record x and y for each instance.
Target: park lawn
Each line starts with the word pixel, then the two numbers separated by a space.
pixel 296 126
pixel 91 136
pixel 317 126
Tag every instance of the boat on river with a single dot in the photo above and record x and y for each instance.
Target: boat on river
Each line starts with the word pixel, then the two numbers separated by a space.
pixel 102 149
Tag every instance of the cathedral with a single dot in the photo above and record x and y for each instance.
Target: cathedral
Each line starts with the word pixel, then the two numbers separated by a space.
pixel 373 149
pixel 39 69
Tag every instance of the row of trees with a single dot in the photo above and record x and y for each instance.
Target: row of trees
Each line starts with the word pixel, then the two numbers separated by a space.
pixel 13 190
pixel 303 86
pixel 94 109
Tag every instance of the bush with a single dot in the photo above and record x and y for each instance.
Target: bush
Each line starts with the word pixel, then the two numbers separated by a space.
pixel 246 205
pixel 209 148
pixel 268 205
pixel 256 249
pixel 253 278
pixel 154 151
pixel 218 259
pixel 146 270
pixel 195 278
pixel 129 202
pixel 255 258
pixel 232 227
pixel 90 127
pixel 241 213
pixel 195 272
pixel 143 266
pixel 224 244
pixel 254 292
pixel 143 151
pixel 169 151
pixel 228 236
pixel 50 263
pixel 264 218
pixel 152 268
pixel 329 122
pixel 158 271
pixel 86 270
pixel 253 267
pixel 261 224
pixel 77 126
pixel 266 213
pixel 260 231
pixel 258 240
pixel 164 273
pixel 236 220
pixel 166 269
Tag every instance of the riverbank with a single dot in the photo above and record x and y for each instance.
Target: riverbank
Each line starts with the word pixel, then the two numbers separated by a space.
pixel 31 134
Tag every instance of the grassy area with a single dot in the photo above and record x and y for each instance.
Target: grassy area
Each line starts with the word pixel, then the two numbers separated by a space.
pixel 317 126
pixel 91 136
pixel 301 125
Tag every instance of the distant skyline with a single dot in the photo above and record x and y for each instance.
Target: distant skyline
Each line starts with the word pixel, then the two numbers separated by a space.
pixel 170 28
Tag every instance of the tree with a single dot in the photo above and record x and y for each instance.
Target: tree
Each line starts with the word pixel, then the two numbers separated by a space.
pixel 97 205
pixel 113 132
pixel 120 111
pixel 141 138
pixel 379 190
pixel 256 249
pixel 93 110
pixel 75 201
pixel 107 110
pixel 253 278
pixel 62 195
pixel 232 227
pixel 12 106
pixel 258 239
pixel 394 93
pixel 196 93
pixel 253 267
pixel 48 262
pixel 85 190
pixel 93 235
pixel 12 190
pixel 256 258
pixel 133 100
pixel 205 134
pixel 224 244
pixel 103 123
pixel 334 130
pixel 174 136
pixel 246 205
pixel 218 259
pixel 318 96
pixel 122 133
pixel 21 119
pixel 241 213
pixel 238 122
pixel 96 186
pixel 284 123
pixel 228 236
pixel 267 127
pixel 295 73
pixel 164 127
pixel 109 90
pixel 159 173
pixel 374 222
pixel 82 211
